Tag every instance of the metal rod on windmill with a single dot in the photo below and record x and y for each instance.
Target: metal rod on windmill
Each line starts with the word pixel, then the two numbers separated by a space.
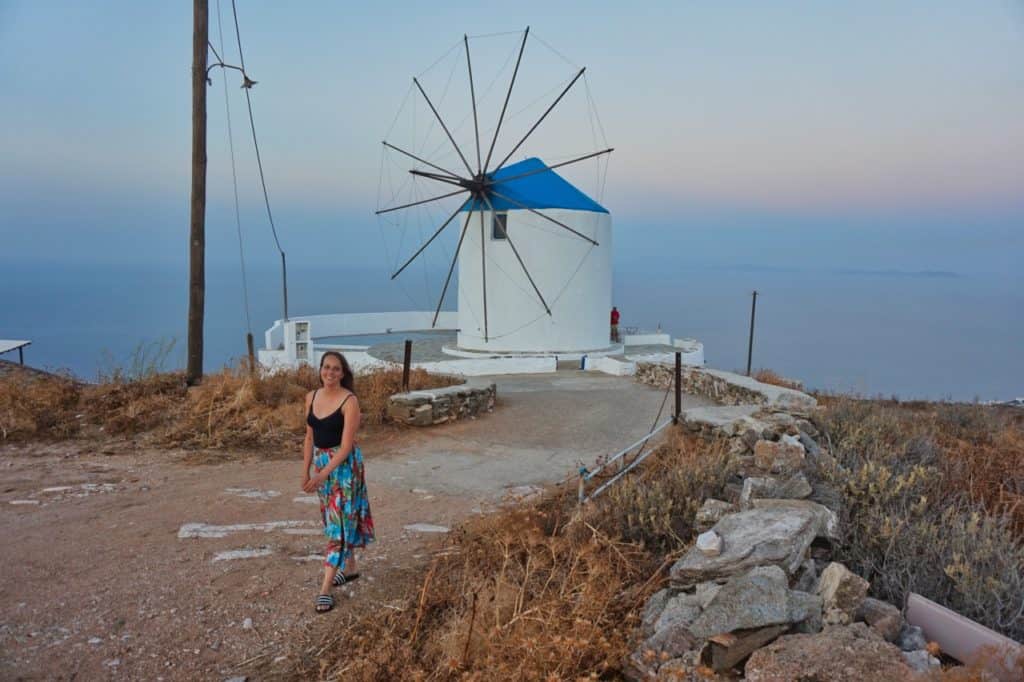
pixel 508 95
pixel 483 269
pixel 451 270
pixel 519 258
pixel 542 117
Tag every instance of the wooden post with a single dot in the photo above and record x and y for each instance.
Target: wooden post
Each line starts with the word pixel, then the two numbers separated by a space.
pixel 197 232
pixel 406 363
pixel 750 346
pixel 252 353
pixel 679 388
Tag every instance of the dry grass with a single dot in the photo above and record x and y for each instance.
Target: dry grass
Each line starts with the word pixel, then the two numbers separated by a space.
pixel 975 450
pixel 990 664
pixel 536 593
pixel 38 406
pixel 657 506
pixel 767 376
pixel 129 407
pixel 237 409
pixel 514 597
pixel 233 408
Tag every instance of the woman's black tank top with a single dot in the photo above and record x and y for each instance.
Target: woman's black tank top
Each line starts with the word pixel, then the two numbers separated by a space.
pixel 327 431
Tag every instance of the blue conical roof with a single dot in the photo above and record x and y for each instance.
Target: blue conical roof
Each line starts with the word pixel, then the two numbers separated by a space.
pixel 543 188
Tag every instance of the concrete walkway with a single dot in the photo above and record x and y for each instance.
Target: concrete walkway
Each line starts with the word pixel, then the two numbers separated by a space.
pixel 544 427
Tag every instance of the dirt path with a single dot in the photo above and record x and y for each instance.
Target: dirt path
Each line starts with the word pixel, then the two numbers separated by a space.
pixel 107 572
pixel 120 563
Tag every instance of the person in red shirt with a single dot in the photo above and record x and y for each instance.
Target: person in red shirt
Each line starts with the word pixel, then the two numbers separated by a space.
pixel 615 324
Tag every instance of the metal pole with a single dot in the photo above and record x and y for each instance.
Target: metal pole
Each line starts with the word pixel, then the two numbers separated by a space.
pixel 750 346
pixel 197 232
pixel 406 363
pixel 679 389
pixel 21 356
pixel 284 285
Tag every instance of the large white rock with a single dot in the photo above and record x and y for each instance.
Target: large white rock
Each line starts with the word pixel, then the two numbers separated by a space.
pixel 759 537
pixel 709 543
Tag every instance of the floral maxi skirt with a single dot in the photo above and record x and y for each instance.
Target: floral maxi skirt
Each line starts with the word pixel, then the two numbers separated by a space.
pixel 344 506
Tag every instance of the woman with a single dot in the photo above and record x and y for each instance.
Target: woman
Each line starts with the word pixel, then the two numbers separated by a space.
pixel 332 419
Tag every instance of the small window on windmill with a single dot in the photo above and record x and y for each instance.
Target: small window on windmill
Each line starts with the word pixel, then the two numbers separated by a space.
pixel 499 226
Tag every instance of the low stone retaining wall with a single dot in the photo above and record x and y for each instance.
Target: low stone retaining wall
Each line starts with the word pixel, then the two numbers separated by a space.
pixel 440 405
pixel 725 388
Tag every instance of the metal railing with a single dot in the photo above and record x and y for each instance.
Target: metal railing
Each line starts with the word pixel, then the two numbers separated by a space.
pixel 619 457
pixel 586 476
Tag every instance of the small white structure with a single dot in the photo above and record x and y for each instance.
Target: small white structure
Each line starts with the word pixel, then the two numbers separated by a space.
pixel 571 272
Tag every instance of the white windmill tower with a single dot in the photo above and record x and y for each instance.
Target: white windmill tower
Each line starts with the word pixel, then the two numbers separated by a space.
pixel 533 252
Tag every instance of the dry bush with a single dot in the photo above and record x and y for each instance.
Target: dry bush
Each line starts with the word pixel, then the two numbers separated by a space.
pixel 657 507
pixel 535 593
pixel 516 596
pixel 916 515
pixel 767 376
pixel 37 406
pixel 375 387
pixel 232 408
pixel 988 463
pixel 123 406
pixel 991 663
pixel 976 450
pixel 236 408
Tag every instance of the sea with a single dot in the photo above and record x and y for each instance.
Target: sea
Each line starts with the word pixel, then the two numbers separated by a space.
pixel 905 334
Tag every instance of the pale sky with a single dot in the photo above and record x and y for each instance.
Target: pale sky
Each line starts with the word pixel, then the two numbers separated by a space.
pixel 895 128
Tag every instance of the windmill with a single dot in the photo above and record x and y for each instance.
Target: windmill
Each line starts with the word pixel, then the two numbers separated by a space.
pixel 495 197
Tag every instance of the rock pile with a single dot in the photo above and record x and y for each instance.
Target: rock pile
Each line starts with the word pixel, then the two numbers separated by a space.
pixel 759 585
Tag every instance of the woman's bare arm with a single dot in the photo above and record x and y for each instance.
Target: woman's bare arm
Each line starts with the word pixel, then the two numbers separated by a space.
pixel 307 444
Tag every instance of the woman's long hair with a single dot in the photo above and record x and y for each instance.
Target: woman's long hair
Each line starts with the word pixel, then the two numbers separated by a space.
pixel 347 380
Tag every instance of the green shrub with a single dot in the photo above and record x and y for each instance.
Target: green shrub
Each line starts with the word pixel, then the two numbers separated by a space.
pixel 921 511
pixel 656 505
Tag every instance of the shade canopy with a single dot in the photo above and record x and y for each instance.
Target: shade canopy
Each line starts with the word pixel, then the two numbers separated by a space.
pixel 542 188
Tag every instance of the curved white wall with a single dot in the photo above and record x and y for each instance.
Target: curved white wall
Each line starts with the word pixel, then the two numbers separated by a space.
pixel 356 324
pixel 574 276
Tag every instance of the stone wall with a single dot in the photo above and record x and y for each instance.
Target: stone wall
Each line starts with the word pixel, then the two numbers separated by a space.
pixel 725 388
pixel 440 405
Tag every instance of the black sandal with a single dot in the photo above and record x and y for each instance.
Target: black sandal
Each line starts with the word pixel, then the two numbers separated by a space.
pixel 340 578
pixel 324 603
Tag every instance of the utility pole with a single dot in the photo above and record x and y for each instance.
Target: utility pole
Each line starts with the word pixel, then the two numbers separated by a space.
pixel 750 346
pixel 197 232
